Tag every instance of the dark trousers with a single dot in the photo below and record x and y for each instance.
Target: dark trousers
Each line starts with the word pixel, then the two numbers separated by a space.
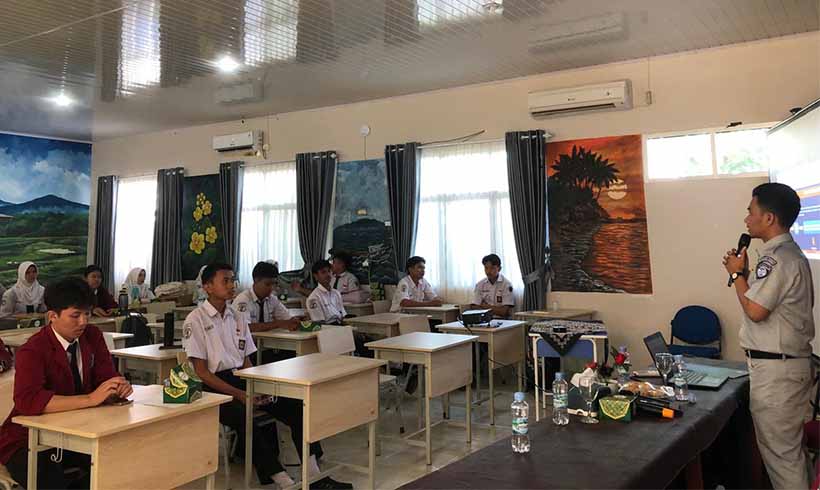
pixel 265 449
pixel 51 475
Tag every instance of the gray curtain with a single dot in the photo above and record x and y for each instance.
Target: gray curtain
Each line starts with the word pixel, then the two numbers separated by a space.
pixel 315 175
pixel 106 222
pixel 526 170
pixel 166 264
pixel 231 176
pixel 403 190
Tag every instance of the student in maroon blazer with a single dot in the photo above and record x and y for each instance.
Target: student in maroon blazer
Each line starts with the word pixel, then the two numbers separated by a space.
pixel 50 376
pixel 104 303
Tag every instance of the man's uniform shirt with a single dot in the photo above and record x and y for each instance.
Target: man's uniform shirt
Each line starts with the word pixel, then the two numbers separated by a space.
pixel 250 305
pixel 348 285
pixel 325 306
pixel 223 341
pixel 407 289
pixel 500 293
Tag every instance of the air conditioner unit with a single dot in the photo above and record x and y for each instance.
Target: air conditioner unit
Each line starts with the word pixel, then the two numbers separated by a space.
pixel 589 98
pixel 239 141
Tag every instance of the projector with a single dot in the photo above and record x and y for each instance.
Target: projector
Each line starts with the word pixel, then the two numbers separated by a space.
pixel 476 317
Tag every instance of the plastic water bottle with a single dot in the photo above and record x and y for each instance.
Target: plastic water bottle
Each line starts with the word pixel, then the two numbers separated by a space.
pixel 679 380
pixel 560 398
pixel 520 424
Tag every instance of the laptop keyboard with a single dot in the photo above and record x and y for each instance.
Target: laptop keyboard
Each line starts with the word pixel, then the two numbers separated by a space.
pixel 693 378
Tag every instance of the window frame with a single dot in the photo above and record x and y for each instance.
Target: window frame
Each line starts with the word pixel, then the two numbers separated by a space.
pixel 696 132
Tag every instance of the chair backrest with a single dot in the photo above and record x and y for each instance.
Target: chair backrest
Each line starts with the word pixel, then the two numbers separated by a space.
pixel 333 339
pixel 382 306
pixel 109 340
pixel 182 357
pixel 413 323
pixel 389 291
pixel 696 325
pixel 135 323
pixel 161 308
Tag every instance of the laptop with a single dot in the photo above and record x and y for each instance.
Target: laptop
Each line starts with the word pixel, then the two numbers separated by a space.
pixel 698 376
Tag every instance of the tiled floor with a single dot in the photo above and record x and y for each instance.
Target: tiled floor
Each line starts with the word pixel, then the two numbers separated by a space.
pixel 399 463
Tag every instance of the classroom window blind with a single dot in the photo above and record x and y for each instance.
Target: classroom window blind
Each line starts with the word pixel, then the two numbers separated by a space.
pixel 134 229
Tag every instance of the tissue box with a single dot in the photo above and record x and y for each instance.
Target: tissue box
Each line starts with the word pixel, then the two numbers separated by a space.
pixel 617 407
pixel 182 386
pixel 309 326
pixel 576 404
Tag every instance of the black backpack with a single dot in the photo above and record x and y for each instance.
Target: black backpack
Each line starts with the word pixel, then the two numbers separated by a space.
pixel 137 324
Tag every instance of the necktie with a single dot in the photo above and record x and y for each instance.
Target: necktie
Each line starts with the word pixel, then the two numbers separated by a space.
pixel 75 370
pixel 336 284
pixel 261 318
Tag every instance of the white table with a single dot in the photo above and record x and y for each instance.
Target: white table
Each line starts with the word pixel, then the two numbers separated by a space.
pixel 443 313
pixel 301 343
pixel 159 329
pixel 380 324
pixel 359 309
pixel 149 358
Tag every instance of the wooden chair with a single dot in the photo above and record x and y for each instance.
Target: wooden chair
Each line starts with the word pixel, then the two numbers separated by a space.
pixel 161 308
pixel 382 306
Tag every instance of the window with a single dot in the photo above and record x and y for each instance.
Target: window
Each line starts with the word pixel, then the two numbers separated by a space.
pixel 269 226
pixel 134 230
pixel 270 31
pixel 707 154
pixel 465 214
pixel 435 12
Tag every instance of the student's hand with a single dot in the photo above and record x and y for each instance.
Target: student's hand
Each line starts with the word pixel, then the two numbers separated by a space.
pixel 100 312
pixel 124 390
pixel 106 389
pixel 292 324
pixel 733 263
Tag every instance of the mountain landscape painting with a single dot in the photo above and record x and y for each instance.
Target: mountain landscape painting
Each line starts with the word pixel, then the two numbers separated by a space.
pixel 45 192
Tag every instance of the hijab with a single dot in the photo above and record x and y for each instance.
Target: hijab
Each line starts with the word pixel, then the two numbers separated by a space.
pixel 201 295
pixel 134 290
pixel 28 293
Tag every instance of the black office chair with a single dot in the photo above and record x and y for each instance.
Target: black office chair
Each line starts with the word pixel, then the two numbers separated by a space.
pixel 699 327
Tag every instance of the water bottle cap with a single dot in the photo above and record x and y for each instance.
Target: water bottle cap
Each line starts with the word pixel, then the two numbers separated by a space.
pixel 518 396
pixel 559 376
pixel 678 357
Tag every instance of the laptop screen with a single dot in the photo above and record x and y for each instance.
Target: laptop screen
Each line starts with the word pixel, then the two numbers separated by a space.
pixel 655 344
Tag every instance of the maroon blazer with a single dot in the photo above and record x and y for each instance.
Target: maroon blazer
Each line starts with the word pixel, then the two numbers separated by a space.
pixel 104 300
pixel 42 371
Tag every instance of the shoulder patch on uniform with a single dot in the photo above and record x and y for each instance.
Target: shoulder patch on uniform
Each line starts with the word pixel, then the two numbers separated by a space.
pixel 187 331
pixel 764 266
pixel 242 307
pixel 404 288
pixel 312 304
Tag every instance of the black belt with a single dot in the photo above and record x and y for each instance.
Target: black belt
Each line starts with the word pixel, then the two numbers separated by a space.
pixel 759 354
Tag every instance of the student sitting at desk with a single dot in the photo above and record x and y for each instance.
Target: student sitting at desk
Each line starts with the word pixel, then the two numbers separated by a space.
pixel 104 303
pixel 218 340
pixel 325 304
pixel 494 292
pixel 341 280
pixel 65 366
pixel 26 296
pixel 412 289
pixel 263 309
pixel 135 287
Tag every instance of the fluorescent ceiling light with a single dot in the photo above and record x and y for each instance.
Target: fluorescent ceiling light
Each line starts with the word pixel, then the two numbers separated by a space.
pixel 226 64
pixel 62 100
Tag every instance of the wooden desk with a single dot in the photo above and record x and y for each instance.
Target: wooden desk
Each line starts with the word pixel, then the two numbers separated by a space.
pixel 104 323
pixel 359 309
pixel 301 343
pixel 159 329
pixel 443 313
pixel 293 302
pixel 505 346
pixel 380 324
pixel 338 394
pixel 149 358
pixel 134 446
pixel 17 341
pixel 445 364
pixel 560 314
pixel 118 338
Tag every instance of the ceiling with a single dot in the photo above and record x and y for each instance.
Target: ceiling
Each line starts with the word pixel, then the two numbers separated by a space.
pixel 147 65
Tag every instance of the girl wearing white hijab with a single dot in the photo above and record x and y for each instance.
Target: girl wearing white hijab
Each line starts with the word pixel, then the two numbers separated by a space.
pixel 200 296
pixel 136 288
pixel 26 295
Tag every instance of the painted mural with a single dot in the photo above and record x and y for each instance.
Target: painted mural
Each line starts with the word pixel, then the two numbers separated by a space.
pixel 45 191
pixel 597 215
pixel 202 236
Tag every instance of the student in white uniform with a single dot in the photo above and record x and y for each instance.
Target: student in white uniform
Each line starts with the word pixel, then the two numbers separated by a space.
pixel 494 292
pixel 325 304
pixel 135 287
pixel 26 296
pixel 413 289
pixel 341 279
pixel 217 340
pixel 263 309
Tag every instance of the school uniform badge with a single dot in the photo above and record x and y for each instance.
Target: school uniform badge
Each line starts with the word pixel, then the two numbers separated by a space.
pixel 187 331
pixel 242 307
pixel 764 267
pixel 313 304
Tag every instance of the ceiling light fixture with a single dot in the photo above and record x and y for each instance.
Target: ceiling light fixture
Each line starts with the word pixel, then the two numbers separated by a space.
pixel 62 100
pixel 227 64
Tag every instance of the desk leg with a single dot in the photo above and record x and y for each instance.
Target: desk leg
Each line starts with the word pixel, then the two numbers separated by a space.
pixel 477 370
pixel 210 481
pixel 492 391
pixel 427 429
pixel 259 350
pixel 33 450
pixel 420 390
pixel 537 383
pixel 469 419
pixel 306 448
pixel 371 466
pixel 248 431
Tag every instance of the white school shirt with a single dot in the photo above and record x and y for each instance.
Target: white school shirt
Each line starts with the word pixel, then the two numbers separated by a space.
pixel 348 285
pixel 325 306
pixel 407 289
pixel 500 293
pixel 222 341
pixel 247 303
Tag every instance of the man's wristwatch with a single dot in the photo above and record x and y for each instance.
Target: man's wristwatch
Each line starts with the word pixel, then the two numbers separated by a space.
pixel 735 275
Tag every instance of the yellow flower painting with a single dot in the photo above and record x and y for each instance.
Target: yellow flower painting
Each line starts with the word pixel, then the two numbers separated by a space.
pixel 197 214
pixel 197 244
pixel 210 234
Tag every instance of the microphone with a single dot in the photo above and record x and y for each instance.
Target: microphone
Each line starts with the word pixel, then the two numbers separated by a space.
pixel 743 242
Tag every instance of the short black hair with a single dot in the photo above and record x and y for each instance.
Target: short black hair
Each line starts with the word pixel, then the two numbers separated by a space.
pixel 93 268
pixel 780 200
pixel 264 270
pixel 414 261
pixel 343 256
pixel 319 265
pixel 492 259
pixel 210 271
pixel 69 292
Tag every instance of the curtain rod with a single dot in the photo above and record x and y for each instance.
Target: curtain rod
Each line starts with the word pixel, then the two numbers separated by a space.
pixel 461 141
pixel 272 162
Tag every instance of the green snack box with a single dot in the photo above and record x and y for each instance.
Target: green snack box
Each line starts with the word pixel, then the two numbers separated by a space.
pixel 309 326
pixel 182 386
pixel 616 407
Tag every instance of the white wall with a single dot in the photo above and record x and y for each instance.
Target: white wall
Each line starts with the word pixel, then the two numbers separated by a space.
pixel 691 223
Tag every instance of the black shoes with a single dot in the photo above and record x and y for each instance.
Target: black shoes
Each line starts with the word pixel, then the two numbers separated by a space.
pixel 328 483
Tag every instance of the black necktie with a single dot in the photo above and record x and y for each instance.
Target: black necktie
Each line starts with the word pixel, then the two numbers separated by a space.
pixel 336 284
pixel 75 370
pixel 261 304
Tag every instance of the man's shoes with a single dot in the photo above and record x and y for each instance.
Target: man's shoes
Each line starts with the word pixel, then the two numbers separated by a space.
pixel 328 483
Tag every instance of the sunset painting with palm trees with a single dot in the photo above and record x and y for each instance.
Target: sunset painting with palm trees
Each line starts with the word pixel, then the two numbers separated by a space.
pixel 597 213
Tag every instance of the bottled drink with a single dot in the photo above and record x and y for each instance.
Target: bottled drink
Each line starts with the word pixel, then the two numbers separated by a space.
pixel 679 380
pixel 560 397
pixel 520 418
